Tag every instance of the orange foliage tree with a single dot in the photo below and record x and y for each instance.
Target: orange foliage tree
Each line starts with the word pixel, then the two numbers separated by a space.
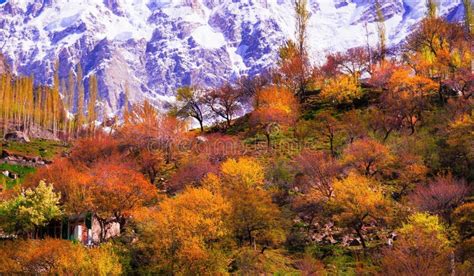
pixel 59 257
pixel 274 107
pixel 150 139
pixel 115 192
pixel 407 97
pixel 368 156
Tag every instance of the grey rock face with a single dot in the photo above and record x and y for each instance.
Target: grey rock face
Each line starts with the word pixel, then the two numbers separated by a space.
pixel 17 136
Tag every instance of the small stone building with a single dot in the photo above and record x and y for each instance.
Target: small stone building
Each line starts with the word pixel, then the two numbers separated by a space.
pixel 83 228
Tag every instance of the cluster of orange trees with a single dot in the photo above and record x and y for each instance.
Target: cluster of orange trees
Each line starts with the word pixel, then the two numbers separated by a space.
pixel 363 165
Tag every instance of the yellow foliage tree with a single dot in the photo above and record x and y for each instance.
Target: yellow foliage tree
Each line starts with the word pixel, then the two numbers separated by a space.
pixel 422 248
pixel 254 218
pixel 342 89
pixel 360 199
pixel 244 172
pixel 57 257
pixel 184 234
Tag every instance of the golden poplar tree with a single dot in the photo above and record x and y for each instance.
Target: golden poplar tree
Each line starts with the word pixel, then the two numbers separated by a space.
pixel 80 99
pixel 381 31
pixel 91 113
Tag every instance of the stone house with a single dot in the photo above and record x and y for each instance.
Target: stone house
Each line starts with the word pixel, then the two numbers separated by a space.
pixel 84 228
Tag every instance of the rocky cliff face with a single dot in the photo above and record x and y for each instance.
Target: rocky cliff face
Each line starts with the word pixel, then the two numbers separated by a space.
pixel 155 46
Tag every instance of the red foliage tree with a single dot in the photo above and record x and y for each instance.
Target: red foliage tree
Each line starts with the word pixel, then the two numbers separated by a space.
pixel 116 191
pixel 225 103
pixel 317 172
pixel 441 196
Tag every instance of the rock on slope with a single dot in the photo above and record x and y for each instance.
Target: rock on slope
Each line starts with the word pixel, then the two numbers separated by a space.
pixel 155 46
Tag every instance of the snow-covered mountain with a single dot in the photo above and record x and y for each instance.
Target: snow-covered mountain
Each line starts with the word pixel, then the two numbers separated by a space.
pixel 155 46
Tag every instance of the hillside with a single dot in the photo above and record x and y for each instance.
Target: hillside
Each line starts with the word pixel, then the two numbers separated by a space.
pixel 362 164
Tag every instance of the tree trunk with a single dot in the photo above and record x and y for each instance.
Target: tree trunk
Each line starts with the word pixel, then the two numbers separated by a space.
pixel 201 125
pixel 269 144
pixel 387 133
pixel 361 237
pixel 331 145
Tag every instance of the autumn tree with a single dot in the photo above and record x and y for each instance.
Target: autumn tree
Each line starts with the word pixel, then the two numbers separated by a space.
pixel 224 103
pixel 294 66
pixel 273 108
pixel 55 98
pixel 438 50
pixel 460 132
pixel 463 220
pixel 360 200
pixel 191 172
pixel 217 148
pixel 353 126
pixel 23 105
pixel 342 89
pixel 329 127
pixel 91 112
pixel 368 157
pixel 250 85
pixel 69 100
pixel 383 120
pixel 382 47
pixel 468 18
pixel 115 192
pixel 441 196
pixel 80 118
pixel 317 171
pixel 191 104
pixel 408 170
pixel 146 129
pixel 185 235
pixel 407 97
pixel 431 9
pixel 254 219
pixel 422 248
pixel 353 62
pixel 70 181
pixel 88 151
pixel 302 17
pixel 463 217
pixel 32 208
pixel 59 257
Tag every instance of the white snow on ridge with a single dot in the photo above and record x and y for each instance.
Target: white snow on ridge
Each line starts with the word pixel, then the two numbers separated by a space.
pixel 206 37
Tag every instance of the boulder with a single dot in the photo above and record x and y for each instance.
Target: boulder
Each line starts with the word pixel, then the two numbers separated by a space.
pixel 17 136
pixel 5 154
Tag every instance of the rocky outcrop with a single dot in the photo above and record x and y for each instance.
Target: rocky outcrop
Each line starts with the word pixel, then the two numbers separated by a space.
pixel 23 160
pixel 17 136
